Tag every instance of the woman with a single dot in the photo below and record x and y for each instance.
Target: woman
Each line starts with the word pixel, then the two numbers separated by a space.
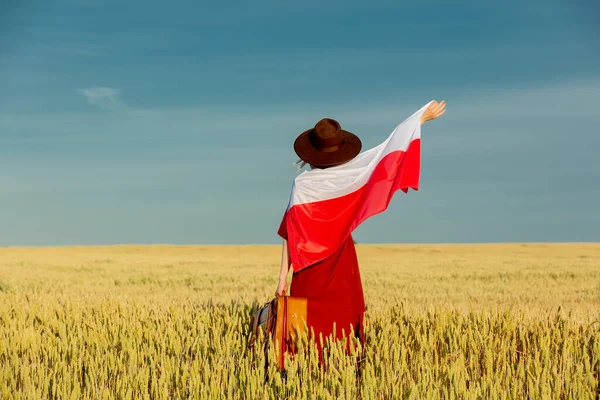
pixel 327 273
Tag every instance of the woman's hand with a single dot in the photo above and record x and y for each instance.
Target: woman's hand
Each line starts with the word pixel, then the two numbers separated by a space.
pixel 282 288
pixel 434 111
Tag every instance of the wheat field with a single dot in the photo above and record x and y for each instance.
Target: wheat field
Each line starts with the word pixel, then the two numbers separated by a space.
pixel 505 321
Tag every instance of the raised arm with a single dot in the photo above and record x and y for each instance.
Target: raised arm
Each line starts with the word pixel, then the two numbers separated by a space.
pixel 282 287
pixel 434 110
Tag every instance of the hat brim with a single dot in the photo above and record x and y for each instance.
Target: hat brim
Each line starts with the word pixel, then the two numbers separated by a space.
pixel 349 149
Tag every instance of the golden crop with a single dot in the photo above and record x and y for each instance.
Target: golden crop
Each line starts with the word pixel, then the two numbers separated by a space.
pixel 443 321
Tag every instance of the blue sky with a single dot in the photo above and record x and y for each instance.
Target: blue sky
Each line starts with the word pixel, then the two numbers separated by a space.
pixel 173 122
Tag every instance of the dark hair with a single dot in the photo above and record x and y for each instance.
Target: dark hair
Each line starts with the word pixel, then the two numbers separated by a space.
pixel 322 167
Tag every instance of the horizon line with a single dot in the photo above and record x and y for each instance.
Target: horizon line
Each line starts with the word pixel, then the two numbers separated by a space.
pixel 279 244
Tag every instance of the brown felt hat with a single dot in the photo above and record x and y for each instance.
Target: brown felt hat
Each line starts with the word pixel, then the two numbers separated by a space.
pixel 327 144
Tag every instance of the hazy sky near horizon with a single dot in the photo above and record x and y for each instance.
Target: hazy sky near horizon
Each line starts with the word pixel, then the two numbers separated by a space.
pixel 173 122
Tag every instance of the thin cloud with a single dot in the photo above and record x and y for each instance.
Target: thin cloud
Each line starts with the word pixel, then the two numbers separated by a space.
pixel 104 97
pixel 482 111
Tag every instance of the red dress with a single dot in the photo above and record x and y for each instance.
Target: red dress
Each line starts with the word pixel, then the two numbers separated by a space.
pixel 334 291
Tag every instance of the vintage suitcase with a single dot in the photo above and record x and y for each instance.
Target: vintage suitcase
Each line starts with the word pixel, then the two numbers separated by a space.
pixel 284 319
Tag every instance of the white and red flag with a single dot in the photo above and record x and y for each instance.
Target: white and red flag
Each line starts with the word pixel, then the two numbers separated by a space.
pixel 326 205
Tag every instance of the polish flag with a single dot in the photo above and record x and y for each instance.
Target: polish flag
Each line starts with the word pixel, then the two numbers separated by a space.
pixel 327 204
